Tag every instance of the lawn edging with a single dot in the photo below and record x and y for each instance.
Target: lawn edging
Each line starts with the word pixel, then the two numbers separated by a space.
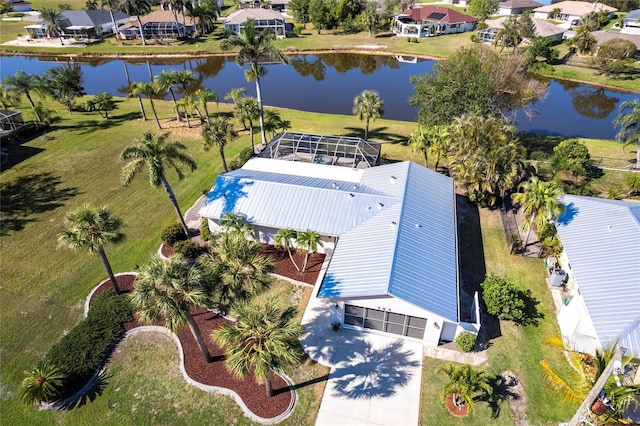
pixel 100 284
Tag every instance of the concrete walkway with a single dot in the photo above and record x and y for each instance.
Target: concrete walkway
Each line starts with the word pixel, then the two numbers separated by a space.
pixel 374 379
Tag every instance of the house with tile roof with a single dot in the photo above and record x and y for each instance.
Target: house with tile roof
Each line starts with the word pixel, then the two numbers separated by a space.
pixel 90 24
pixel 389 232
pixel 429 21
pixel 516 7
pixel 601 259
pixel 263 18
pixel 632 19
pixel 568 11
pixel 541 27
pixel 160 24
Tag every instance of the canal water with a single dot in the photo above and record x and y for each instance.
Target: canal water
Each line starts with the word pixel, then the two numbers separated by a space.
pixel 329 82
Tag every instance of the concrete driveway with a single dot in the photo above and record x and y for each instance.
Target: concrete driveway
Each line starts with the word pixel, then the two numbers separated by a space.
pixel 374 379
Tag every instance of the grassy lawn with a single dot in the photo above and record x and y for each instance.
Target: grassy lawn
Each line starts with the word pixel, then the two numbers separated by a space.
pixel 44 286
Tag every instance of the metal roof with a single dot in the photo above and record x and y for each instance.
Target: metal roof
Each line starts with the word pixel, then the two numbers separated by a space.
pixel 396 224
pixel 601 239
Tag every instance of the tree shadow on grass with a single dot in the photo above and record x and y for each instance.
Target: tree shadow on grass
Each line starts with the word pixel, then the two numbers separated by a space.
pixel 379 133
pixel 96 388
pixel 90 125
pixel 502 391
pixel 531 314
pixel 22 199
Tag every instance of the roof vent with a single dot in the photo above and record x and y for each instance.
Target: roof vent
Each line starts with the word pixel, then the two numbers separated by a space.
pixel 334 185
pixel 393 224
pixel 355 186
pixel 380 205
pixel 418 225
pixel 610 227
pixel 392 179
pixel 350 195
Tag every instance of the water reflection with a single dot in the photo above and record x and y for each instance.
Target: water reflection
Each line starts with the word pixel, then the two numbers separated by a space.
pixel 593 103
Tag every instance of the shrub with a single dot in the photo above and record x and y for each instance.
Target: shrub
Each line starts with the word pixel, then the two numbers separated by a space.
pixel 466 341
pixel 242 158
pixel 502 298
pixel 205 232
pixel 79 353
pixel 188 249
pixel 172 234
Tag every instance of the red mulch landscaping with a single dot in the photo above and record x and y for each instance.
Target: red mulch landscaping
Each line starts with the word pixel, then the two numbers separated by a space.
pixel 284 266
pixel 460 411
pixel 216 373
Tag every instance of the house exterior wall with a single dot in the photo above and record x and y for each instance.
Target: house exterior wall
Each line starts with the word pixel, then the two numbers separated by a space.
pixel 277 25
pixel 430 29
pixel 630 22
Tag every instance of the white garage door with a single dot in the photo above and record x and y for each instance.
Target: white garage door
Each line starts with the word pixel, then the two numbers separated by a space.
pixel 389 322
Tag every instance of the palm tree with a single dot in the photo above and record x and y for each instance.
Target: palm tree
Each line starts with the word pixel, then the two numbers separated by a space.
pixel 420 142
pixel 219 131
pixel 9 97
pixel 137 8
pixel 103 103
pixel 157 155
pixel 41 384
pixel 540 202
pixel 247 110
pixel 24 83
pixel 234 223
pixel 308 241
pixel 263 339
pixel 175 6
pixel 90 229
pixel 439 143
pixel 368 106
pixel 45 115
pixel 167 289
pixel 149 90
pixel 465 382
pixel 52 19
pixel 235 94
pixel 239 266
pixel 574 384
pixel 188 104
pixel 111 5
pixel 136 89
pixel 508 35
pixel 164 82
pixel 205 95
pixel 273 122
pixel 255 46
pixel 283 239
pixel 629 123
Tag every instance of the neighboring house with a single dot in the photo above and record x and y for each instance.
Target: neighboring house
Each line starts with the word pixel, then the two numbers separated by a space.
pixel 632 19
pixel 19 5
pixel 90 24
pixel 542 28
pixel 461 3
pixel 389 232
pixel 601 256
pixel 516 7
pixel 602 36
pixel 428 21
pixel 264 19
pixel 570 10
pixel 10 121
pixel 160 24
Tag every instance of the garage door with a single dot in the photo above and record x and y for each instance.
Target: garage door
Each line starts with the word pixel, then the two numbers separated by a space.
pixel 389 322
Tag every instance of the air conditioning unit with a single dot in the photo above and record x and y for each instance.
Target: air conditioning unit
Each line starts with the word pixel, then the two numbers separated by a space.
pixel 558 278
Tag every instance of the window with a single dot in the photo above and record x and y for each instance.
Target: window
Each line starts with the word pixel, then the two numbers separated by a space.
pixel 390 322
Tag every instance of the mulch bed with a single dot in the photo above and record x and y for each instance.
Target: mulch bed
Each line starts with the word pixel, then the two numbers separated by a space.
pixel 456 411
pixel 284 266
pixel 216 373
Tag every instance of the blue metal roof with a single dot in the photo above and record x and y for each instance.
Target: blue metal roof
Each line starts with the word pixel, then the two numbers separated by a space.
pixel 601 239
pixel 396 224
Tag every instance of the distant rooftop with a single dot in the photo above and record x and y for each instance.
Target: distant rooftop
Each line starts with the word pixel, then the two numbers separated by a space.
pixel 322 149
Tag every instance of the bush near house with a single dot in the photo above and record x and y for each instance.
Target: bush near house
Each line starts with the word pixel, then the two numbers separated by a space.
pixel 80 352
pixel 188 249
pixel 172 234
pixel 507 302
pixel 466 341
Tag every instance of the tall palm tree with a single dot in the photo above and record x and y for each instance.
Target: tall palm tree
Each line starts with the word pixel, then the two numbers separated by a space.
pixel 283 239
pixel 368 106
pixel 157 155
pixel 175 6
pixel 308 241
pixel 629 121
pixel 219 131
pixel 508 35
pixel 90 229
pixel 111 5
pixel 420 142
pixel 205 95
pixel 263 339
pixel 247 110
pixel 136 8
pixel 24 83
pixel 188 103
pixel 253 46
pixel 53 22
pixel 239 266
pixel 164 82
pixel 137 89
pixel 235 94
pixel 41 384
pixel 540 202
pixel 465 382
pixel 168 289
pixel 274 123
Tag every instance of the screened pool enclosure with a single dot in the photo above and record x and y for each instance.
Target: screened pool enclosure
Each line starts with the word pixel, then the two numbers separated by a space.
pixel 320 149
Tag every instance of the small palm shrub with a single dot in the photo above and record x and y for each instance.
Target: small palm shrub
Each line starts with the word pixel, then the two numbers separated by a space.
pixel 81 351
pixel 466 341
pixel 172 234
pixel 205 232
pixel 41 384
pixel 188 249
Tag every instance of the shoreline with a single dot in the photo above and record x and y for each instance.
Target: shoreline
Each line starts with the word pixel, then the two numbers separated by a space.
pixel 288 52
